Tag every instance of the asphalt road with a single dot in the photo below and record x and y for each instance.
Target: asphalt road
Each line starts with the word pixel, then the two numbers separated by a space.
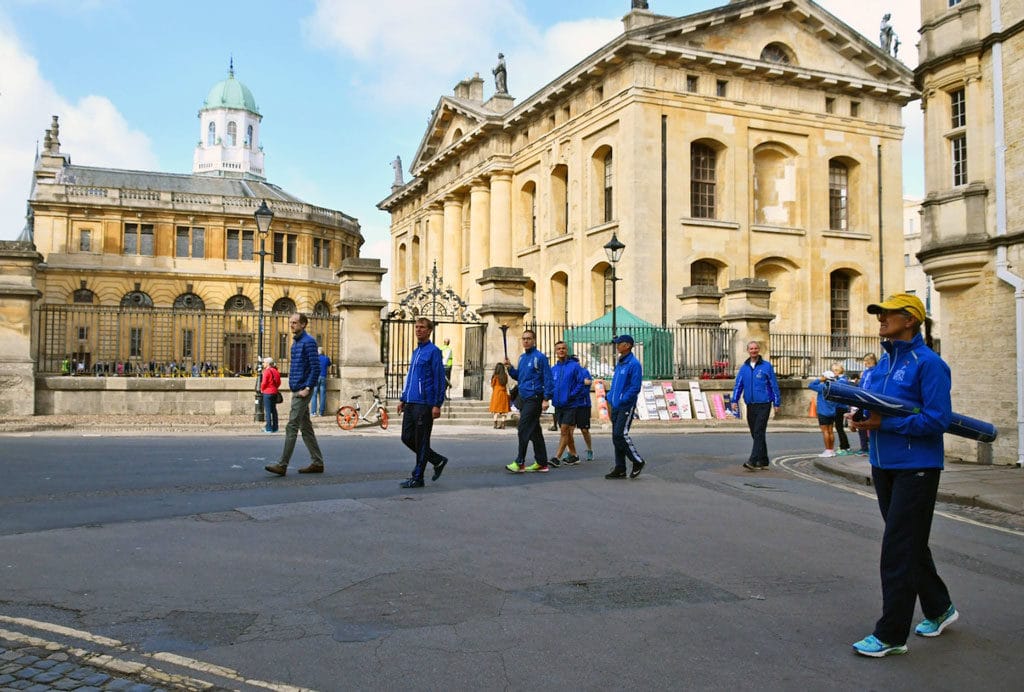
pixel 697 575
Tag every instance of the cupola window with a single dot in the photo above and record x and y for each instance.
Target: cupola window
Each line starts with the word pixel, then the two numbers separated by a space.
pixel 211 135
pixel 232 134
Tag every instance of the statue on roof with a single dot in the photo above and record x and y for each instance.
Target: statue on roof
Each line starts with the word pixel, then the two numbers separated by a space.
pixel 397 166
pixel 501 75
pixel 887 38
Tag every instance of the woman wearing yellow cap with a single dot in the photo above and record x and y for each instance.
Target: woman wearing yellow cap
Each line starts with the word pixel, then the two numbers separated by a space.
pixel 906 461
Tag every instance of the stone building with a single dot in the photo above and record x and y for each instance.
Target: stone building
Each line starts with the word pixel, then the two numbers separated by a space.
pixel 123 239
pixel 756 142
pixel 915 280
pixel 971 77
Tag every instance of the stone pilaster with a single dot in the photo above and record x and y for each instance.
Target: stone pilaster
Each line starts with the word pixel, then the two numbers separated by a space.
pixel 451 268
pixel 18 294
pixel 700 306
pixel 359 308
pixel 501 218
pixel 435 239
pixel 480 234
pixel 746 311
pixel 503 291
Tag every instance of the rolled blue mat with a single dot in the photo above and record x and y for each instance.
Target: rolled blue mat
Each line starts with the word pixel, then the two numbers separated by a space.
pixel 961 425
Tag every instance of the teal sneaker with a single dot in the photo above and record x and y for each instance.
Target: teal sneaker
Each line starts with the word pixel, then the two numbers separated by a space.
pixel 844 453
pixel 875 648
pixel 933 628
pixel 590 455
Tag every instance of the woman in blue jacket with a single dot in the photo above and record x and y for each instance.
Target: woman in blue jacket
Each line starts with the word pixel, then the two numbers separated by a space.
pixel 907 458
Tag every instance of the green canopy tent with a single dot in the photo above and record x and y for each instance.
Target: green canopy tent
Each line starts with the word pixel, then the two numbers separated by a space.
pixel 594 339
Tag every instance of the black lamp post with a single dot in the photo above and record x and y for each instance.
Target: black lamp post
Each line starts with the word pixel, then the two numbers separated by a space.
pixel 613 248
pixel 263 217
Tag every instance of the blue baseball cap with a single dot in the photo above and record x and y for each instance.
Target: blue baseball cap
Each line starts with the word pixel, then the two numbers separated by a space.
pixel 623 339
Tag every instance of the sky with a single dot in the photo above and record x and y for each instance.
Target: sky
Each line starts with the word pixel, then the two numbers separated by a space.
pixel 343 85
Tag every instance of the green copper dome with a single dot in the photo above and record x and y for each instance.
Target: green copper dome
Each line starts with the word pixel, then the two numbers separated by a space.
pixel 231 93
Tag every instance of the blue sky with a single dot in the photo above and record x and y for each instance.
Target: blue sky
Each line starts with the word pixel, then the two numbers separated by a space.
pixel 343 85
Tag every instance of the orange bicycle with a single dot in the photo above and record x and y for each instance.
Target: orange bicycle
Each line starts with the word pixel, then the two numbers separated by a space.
pixel 349 417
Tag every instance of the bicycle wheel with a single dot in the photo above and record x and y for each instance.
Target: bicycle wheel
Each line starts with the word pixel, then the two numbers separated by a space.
pixel 383 420
pixel 347 417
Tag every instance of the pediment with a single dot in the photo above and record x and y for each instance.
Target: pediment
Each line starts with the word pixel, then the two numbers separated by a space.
pixel 816 40
pixel 450 121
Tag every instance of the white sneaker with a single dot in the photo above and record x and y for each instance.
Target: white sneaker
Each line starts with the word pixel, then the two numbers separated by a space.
pixel 827 453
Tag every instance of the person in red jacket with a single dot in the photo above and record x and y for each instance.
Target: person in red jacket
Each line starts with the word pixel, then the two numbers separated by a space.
pixel 269 385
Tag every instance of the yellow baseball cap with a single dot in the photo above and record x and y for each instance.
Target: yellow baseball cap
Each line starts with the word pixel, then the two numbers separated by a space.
pixel 900 301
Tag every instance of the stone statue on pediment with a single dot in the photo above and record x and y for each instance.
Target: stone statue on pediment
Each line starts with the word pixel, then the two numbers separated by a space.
pixel 397 166
pixel 500 75
pixel 887 37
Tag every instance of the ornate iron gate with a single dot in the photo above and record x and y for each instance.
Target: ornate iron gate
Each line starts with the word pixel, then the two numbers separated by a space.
pixel 442 307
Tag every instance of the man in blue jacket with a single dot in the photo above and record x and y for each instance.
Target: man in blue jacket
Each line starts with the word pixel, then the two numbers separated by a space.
pixel 626 383
pixel 571 399
pixel 303 371
pixel 421 401
pixel 756 382
pixel 533 376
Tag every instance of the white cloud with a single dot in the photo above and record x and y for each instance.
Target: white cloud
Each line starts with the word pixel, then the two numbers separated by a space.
pixel 92 131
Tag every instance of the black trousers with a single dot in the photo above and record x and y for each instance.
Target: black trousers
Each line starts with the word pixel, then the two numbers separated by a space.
pixel 417 424
pixel 530 431
pixel 907 501
pixel 757 421
pixel 840 423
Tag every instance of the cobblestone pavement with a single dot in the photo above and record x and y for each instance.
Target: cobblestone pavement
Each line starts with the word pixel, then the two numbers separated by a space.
pixel 35 668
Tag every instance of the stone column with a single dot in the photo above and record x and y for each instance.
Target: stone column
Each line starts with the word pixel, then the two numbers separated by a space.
pixel 746 311
pixel 435 239
pixel 480 233
pixel 451 268
pixel 359 308
pixel 503 290
pixel 18 294
pixel 501 218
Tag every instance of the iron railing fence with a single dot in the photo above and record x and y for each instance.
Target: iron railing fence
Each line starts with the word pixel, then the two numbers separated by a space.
pixel 666 353
pixel 165 342
pixel 808 355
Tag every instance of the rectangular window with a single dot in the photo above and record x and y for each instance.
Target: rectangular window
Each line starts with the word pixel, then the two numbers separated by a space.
pixel 135 344
pixel 187 336
pixel 830 104
pixel 838 196
pixel 85 240
pixel 138 239
pixel 321 252
pixel 721 87
pixel 189 242
pixel 83 333
pixel 839 322
pixel 284 247
pixel 598 94
pixel 239 244
pixel 958 108
pixel 282 347
pixel 702 181
pixel 609 169
pixel 906 260
pixel 958 146
pixel 954 3
pixel 854 109
pixel 691 83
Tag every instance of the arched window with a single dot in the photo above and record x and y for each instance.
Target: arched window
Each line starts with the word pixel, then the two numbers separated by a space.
pixel 232 134
pixel 777 52
pixel 248 137
pixel 703 179
pixel 839 309
pixel 528 214
pixel 189 301
pixel 211 134
pixel 238 303
pixel 560 199
pixel 322 309
pixel 560 297
pixel 703 273
pixel 284 306
pixel 403 280
pixel 83 296
pixel 136 299
pixel 609 180
pixel 838 195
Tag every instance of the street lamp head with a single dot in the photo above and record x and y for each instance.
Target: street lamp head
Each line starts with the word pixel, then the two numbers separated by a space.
pixel 263 218
pixel 613 248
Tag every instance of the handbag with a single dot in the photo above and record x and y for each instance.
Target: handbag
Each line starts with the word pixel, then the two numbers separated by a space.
pixel 278 398
pixel 513 394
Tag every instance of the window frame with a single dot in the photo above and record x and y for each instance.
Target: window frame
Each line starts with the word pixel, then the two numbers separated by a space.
pixel 703 181
pixel 195 242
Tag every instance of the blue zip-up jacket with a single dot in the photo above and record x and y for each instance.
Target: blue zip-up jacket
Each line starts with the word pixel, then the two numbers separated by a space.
pixel 585 394
pixel 304 368
pixel 569 390
pixel 911 371
pixel 533 375
pixel 626 382
pixel 823 406
pixel 757 384
pixel 425 381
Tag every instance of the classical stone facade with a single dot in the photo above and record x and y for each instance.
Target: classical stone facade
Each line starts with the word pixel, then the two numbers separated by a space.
pixel 748 143
pixel 971 75
pixel 915 280
pixel 139 239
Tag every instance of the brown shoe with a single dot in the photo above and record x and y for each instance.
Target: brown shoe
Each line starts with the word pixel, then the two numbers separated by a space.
pixel 312 468
pixel 277 469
